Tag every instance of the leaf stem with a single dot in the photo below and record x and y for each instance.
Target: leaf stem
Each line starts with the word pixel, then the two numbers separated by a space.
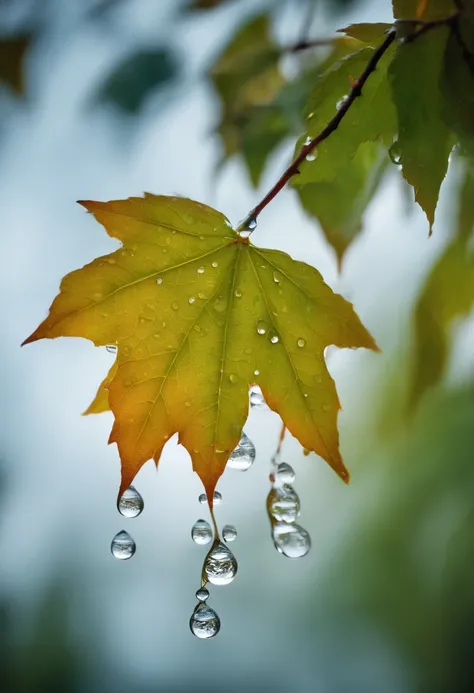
pixel 333 124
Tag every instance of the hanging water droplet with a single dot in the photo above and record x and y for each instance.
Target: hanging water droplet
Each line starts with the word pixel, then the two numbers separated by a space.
pixel 191 299
pixel 291 540
pixel 229 533
pixel 261 326
pixel 130 503
pixel 257 400
pixel 123 546
pixel 159 280
pixel 301 342
pixel 200 270
pixel 204 622
pixel 243 456
pixel 111 348
pixel 217 498
pixel 201 532
pixel 284 474
pixel 283 504
pixel 202 594
pixel 273 337
pixel 220 565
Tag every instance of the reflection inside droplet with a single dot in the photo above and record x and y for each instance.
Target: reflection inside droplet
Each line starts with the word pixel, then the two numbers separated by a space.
pixel 243 456
pixel 204 622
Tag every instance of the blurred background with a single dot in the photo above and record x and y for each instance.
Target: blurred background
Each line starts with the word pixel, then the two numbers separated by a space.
pixel 104 99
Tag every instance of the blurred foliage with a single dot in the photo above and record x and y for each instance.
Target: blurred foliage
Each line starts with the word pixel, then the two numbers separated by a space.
pixel 12 56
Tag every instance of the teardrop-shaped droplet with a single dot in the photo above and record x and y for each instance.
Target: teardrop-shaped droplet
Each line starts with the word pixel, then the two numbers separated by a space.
pixel 111 348
pixel 123 546
pixel 261 326
pixel 202 594
pixel 220 565
pixel 283 504
pixel 217 498
pixel 130 503
pixel 229 533
pixel 284 474
pixel 204 622
pixel 291 540
pixel 243 456
pixel 257 400
pixel 201 532
pixel 273 337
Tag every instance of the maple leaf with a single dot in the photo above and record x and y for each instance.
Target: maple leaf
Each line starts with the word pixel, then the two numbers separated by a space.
pixel 199 314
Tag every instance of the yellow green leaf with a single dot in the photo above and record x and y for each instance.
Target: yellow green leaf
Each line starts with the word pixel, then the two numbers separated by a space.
pixel 373 34
pixel 100 403
pixel 457 88
pixel 424 140
pixel 199 314
pixel 423 9
pixel 447 296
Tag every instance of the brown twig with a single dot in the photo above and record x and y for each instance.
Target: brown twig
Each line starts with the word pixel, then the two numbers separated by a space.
pixel 305 44
pixel 333 124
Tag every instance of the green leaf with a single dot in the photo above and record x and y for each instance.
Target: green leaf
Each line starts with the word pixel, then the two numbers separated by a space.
pixel 136 77
pixel 423 9
pixel 371 117
pixel 12 56
pixel 457 88
pixel 339 205
pixel 199 314
pixel 424 140
pixel 447 296
pixel 372 34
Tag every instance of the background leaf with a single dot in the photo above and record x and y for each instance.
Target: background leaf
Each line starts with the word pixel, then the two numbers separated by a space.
pixel 422 9
pixel 12 56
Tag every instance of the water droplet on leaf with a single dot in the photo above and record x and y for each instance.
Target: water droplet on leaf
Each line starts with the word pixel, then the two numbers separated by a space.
pixel 200 270
pixel 215 264
pixel 261 327
pixel 274 338
pixel 301 342
pixel 123 546
pixel 233 378
pixel 191 299
pixel 130 503
pixel 159 280
pixel 174 305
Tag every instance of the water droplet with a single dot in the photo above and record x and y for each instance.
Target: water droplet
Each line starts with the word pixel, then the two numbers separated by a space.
pixel 233 378
pixel 168 240
pixel 257 400
pixel 97 296
pixel 201 532
pixel 283 504
pixel 291 540
pixel 187 403
pixel 159 280
pixel 341 103
pixel 201 295
pixel 142 320
pixel 261 327
pixel 220 565
pixel 217 498
pixel 174 305
pixel 130 503
pixel 276 278
pixel 326 407
pixel 164 250
pixel 200 270
pixel 238 293
pixel 284 474
pixel 301 342
pixel 256 372
pixel 123 546
pixel 274 338
pixel 220 304
pixel 311 156
pixel 243 456
pixel 204 622
pixel 310 115
pixel 215 264
pixel 307 141
pixel 111 348
pixel 229 533
pixel 202 594
pixel 191 299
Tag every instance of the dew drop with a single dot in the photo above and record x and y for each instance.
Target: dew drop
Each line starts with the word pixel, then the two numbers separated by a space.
pixel 220 565
pixel 201 532
pixel 97 296
pixel 291 540
pixel 276 278
pixel 229 533
pixel 233 378
pixel 174 305
pixel 201 295
pixel 256 372
pixel 204 622
pixel 238 293
pixel 274 338
pixel 202 594
pixel 283 504
pixel 191 299
pixel 214 264
pixel 159 280
pixel 261 327
pixel 307 141
pixel 326 407
pixel 220 304
pixel 301 342
pixel 341 103
pixel 111 348
pixel 130 503
pixel 243 456
pixel 311 156
pixel 217 498
pixel 123 546
pixel 200 270
pixel 284 474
